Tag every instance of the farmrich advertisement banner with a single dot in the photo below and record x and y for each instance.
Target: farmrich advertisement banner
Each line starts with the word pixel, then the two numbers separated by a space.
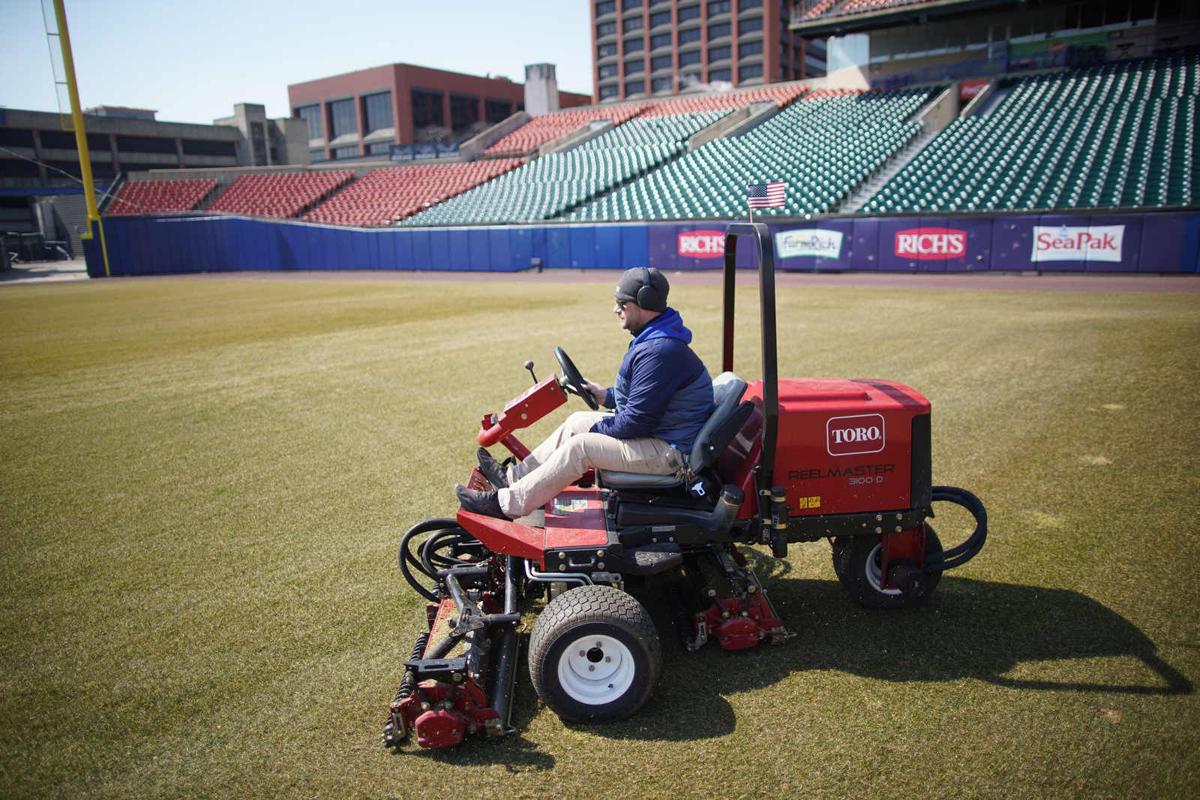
pixel 813 242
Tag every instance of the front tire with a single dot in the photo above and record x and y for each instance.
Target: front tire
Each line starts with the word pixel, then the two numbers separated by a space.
pixel 594 655
pixel 857 560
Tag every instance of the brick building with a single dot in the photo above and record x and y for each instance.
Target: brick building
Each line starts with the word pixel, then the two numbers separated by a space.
pixel 365 112
pixel 658 47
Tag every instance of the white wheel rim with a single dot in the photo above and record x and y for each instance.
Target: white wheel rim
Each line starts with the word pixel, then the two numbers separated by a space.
pixel 875 573
pixel 595 670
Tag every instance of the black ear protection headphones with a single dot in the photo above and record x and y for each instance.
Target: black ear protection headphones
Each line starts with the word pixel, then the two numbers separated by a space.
pixel 649 297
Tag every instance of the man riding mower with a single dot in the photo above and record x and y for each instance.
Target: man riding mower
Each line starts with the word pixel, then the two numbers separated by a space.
pixel 664 491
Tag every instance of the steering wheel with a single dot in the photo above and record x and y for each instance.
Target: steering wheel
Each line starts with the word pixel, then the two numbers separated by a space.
pixel 572 381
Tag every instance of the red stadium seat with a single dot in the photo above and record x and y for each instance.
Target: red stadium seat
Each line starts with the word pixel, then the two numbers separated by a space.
pixel 159 197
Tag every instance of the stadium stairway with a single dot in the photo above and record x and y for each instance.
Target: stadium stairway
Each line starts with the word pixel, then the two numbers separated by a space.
pixel 889 170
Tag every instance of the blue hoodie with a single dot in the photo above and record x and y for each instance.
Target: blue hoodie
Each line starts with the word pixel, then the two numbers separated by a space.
pixel 662 388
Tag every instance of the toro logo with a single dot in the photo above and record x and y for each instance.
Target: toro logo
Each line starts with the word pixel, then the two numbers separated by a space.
pixel 851 436
pixel 931 244
pixel 701 244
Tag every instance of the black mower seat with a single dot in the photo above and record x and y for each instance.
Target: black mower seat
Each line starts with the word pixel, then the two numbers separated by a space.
pixel 727 393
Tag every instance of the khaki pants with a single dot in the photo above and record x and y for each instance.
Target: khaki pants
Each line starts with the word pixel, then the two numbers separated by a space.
pixel 571 451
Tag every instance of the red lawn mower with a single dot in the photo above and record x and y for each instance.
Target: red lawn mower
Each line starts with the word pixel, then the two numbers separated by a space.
pixel 779 461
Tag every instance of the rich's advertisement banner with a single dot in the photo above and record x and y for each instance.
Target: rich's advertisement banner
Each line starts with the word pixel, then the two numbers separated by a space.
pixel 930 244
pixel 815 242
pixel 701 244
pixel 1067 243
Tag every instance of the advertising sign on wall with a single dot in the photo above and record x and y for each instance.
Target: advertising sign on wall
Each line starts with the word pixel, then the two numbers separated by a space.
pixel 1067 243
pixel 701 244
pixel 816 242
pixel 930 244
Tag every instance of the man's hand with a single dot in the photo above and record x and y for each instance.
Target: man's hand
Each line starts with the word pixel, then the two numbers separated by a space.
pixel 598 392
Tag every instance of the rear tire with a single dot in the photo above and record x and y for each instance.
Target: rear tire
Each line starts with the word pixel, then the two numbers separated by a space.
pixel 594 655
pixel 856 562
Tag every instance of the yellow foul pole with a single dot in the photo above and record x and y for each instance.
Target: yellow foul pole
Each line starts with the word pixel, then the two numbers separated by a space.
pixel 85 158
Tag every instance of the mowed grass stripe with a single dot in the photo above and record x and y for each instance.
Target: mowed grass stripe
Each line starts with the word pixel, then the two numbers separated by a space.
pixel 206 479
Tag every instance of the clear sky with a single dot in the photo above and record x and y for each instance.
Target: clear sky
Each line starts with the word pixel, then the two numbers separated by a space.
pixel 193 59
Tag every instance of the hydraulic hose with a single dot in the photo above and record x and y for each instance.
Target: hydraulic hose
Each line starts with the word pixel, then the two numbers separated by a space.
pixel 447 534
pixel 960 554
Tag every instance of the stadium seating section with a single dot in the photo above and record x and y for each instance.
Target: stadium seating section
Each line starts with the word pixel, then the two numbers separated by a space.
pixel 159 197
pixel 546 128
pixel 822 146
pixel 548 186
pixel 1121 135
pixel 392 193
pixel 280 194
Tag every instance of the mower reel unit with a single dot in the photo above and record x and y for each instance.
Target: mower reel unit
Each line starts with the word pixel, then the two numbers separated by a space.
pixel 779 461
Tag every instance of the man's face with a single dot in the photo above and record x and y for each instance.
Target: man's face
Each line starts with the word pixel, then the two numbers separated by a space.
pixel 632 316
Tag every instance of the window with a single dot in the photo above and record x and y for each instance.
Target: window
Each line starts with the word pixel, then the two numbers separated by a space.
pixel 748 71
pixel 660 40
pixel 201 147
pixel 608 71
pixel 660 62
pixel 603 9
pixel 634 45
pixel 380 149
pixel 606 50
pixel 346 152
pixel 634 66
pixel 745 4
pixel 15 168
pixel 750 25
pixel 632 24
pixel 718 7
pixel 718 53
pixel 317 154
pixel 690 57
pixel 464 112
pixel 717 31
pixel 719 74
pixel 660 18
pixel 689 36
pixel 628 4
pixel 17 137
pixel 635 87
pixel 378 109
pixel 145 144
pixel 691 12
pixel 661 85
pixel 605 29
pixel 426 108
pixel 497 110
pixel 341 118
pixel 608 90
pixel 58 140
pixel 750 49
pixel 312 118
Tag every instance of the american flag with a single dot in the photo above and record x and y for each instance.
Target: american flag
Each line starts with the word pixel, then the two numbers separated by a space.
pixel 767 195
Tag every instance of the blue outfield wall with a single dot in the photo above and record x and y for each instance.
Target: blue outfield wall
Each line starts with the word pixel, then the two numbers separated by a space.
pixel 1152 242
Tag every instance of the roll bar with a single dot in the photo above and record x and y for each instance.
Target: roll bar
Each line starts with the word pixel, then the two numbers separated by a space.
pixel 766 282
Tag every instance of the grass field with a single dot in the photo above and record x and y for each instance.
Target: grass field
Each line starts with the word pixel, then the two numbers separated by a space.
pixel 204 481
